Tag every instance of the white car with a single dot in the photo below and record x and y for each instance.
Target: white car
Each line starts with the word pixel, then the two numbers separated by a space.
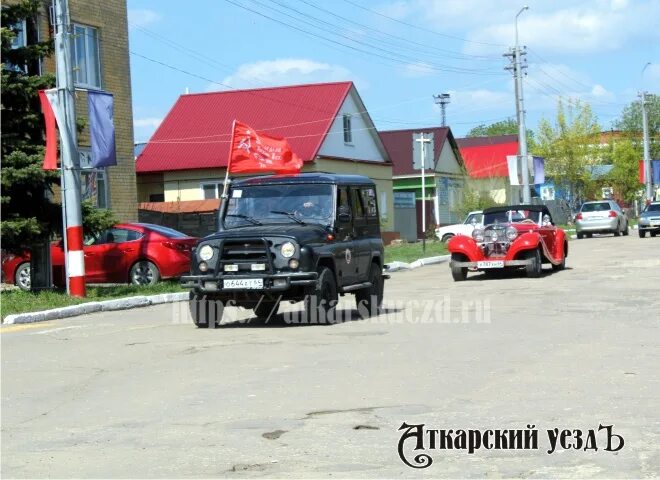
pixel 465 228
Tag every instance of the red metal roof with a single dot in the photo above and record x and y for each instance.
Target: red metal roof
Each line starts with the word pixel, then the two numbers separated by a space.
pixel 398 144
pixel 196 132
pixel 486 156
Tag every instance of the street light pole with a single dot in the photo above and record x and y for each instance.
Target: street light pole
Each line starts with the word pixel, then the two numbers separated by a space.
pixel 73 233
pixel 522 132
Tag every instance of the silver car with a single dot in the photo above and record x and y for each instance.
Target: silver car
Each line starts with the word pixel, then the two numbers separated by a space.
pixel 602 216
pixel 649 220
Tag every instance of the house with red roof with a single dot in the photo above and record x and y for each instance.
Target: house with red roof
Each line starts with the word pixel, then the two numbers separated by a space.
pixel 485 160
pixel 443 178
pixel 326 125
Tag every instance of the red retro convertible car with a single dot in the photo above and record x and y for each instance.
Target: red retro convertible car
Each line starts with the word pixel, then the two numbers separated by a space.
pixel 511 237
pixel 138 253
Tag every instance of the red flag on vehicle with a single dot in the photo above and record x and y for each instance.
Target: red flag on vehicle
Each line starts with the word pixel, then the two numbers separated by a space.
pixel 50 157
pixel 253 152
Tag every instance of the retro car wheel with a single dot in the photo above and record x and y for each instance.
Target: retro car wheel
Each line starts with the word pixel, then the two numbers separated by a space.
pixel 144 273
pixel 458 273
pixel 369 300
pixel 447 236
pixel 580 236
pixel 625 230
pixel 205 311
pixel 321 301
pixel 265 310
pixel 617 231
pixel 642 233
pixel 22 276
pixel 561 266
pixel 534 268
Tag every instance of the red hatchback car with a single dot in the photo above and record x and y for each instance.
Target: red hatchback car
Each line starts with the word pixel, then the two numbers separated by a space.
pixel 138 253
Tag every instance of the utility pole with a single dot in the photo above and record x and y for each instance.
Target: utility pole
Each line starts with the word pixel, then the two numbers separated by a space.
pixel 647 155
pixel 423 142
pixel 443 101
pixel 520 110
pixel 71 202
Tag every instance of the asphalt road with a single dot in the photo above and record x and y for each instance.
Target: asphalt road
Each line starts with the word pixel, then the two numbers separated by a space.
pixel 142 393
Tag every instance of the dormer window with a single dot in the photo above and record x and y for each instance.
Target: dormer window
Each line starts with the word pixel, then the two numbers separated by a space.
pixel 348 133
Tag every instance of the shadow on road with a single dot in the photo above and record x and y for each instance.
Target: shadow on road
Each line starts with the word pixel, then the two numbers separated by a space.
pixel 298 319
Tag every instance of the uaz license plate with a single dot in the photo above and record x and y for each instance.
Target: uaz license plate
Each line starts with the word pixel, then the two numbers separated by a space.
pixel 247 283
pixel 491 264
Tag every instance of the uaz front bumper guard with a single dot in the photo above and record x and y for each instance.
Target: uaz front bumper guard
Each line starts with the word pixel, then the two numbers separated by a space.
pixel 211 283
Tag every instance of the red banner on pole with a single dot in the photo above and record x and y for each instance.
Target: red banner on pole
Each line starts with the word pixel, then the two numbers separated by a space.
pixel 50 158
pixel 254 152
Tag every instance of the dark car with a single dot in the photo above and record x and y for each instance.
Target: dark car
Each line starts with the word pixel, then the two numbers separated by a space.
pixel 137 253
pixel 308 237
pixel 649 220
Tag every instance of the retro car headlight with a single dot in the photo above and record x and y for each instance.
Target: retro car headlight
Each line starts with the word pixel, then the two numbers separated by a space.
pixel 478 235
pixel 511 233
pixel 206 253
pixel 287 249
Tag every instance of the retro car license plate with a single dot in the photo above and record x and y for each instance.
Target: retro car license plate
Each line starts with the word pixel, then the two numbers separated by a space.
pixel 249 283
pixel 491 264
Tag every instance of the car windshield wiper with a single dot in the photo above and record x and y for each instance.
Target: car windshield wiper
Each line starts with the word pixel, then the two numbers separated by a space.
pixel 291 215
pixel 246 217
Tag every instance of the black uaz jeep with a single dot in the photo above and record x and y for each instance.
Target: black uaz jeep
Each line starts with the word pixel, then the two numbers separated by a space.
pixel 307 237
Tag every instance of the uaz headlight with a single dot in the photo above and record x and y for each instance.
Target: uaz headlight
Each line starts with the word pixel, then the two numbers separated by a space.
pixel 287 249
pixel 511 233
pixel 478 235
pixel 206 253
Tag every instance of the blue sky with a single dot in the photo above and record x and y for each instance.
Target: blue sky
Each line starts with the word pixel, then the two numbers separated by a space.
pixel 398 53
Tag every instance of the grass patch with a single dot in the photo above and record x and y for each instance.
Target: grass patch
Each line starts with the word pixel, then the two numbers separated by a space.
pixel 18 301
pixel 409 252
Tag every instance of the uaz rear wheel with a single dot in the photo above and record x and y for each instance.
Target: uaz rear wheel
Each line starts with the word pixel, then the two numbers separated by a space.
pixel 369 300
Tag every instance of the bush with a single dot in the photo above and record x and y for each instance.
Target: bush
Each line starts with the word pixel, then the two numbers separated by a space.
pixel 474 200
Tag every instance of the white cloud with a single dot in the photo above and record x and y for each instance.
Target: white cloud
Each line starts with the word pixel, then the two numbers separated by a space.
pixel 142 17
pixel 596 26
pixel 148 122
pixel 419 69
pixel 286 71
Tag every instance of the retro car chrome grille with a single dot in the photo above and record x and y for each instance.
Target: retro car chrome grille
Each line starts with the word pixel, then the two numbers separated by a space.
pixel 245 254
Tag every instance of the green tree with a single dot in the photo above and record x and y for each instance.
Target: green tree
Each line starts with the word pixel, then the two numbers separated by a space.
pixel 503 127
pixel 624 176
pixel 30 213
pixel 570 147
pixel 630 123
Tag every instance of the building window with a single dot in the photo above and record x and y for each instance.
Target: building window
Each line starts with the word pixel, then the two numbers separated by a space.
pixel 87 66
pixel 19 41
pixel 348 134
pixel 94 187
pixel 211 190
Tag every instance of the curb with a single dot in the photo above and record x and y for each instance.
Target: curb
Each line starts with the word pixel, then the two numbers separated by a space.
pixel 397 266
pixel 91 307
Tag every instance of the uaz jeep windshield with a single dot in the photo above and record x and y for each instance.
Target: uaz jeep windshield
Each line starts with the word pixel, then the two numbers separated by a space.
pixel 269 204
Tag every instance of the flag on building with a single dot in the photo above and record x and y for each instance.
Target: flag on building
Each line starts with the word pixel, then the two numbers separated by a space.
pixel 253 152
pixel 101 129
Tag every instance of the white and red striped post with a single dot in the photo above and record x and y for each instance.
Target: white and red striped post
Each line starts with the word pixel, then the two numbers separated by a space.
pixel 71 200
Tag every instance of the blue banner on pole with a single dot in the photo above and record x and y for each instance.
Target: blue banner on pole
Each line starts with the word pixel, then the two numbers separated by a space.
pixel 655 168
pixel 102 129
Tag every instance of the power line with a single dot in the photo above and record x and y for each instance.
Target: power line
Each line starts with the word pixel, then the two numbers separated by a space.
pixel 387 55
pixel 422 28
pixel 417 45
